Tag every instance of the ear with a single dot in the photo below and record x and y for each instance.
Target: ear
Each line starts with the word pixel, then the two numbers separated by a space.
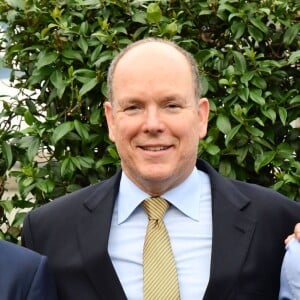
pixel 203 114
pixel 108 109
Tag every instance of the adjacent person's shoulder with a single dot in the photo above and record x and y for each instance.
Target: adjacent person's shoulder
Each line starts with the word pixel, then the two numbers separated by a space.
pixel 20 260
pixel 293 253
pixel 14 254
pixel 290 272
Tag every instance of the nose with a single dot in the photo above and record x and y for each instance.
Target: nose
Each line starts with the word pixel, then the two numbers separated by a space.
pixel 153 122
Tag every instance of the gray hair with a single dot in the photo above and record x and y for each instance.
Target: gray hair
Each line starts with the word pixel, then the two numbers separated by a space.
pixel 189 57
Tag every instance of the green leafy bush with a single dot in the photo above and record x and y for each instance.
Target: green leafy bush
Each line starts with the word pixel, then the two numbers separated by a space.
pixel 59 52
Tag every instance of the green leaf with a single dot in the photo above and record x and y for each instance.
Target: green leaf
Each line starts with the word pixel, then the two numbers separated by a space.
pixel 296 99
pixel 223 123
pixel 113 152
pixel 171 28
pixel 240 62
pixel 270 113
pixel 7 205
pixel 225 168
pixel 139 17
pixel 82 43
pixel 19 219
pixel 104 89
pixel 238 29
pixel 247 76
pixel 288 178
pixel 34 147
pixel 104 161
pixel 139 32
pixel 19 4
pixel 295 56
pixel 255 33
pixel 28 117
pixel 263 159
pixel 76 162
pixel 205 12
pixel 285 150
pixel 88 86
pixel 45 59
pixel 32 144
pixel 225 6
pixel 67 167
pixel 84 27
pixel 283 115
pixel 290 35
pixel 255 131
pixel 204 84
pixel 56 79
pixel 120 29
pixel 154 13
pixel 231 134
pixel 95 117
pixel 241 154
pixel 7 154
pixel 212 149
pixel 255 95
pixel 85 162
pixel 96 53
pixel 105 56
pixel 259 25
pixel 71 54
pixel 259 82
pixel 223 81
pixel 39 75
pixel 46 186
pixel 243 93
pixel 27 181
pixel 61 130
pixel 73 187
pixel 259 121
pixel 82 130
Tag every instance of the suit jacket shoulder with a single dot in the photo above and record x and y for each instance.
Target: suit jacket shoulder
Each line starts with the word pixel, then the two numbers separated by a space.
pixel 25 274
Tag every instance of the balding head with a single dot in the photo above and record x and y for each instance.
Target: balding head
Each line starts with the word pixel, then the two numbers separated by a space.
pixel 158 44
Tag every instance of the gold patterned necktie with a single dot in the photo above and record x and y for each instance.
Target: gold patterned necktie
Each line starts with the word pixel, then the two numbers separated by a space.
pixel 160 276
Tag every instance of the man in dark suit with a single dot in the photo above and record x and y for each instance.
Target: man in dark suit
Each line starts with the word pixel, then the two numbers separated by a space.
pixel 24 274
pixel 226 236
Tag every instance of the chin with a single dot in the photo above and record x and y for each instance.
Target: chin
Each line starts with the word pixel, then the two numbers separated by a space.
pixel 156 176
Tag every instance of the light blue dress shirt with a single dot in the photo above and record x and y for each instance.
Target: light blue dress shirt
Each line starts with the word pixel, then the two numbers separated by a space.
pixel 189 223
pixel 290 272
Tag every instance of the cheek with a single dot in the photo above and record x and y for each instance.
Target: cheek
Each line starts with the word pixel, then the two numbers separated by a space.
pixel 124 131
pixel 188 130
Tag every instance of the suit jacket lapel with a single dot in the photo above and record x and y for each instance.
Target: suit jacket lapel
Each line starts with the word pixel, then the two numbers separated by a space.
pixel 232 233
pixel 93 233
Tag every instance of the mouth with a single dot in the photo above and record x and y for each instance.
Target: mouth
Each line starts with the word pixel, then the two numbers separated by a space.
pixel 154 148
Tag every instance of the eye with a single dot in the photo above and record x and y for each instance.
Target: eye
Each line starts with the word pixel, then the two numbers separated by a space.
pixel 173 106
pixel 132 109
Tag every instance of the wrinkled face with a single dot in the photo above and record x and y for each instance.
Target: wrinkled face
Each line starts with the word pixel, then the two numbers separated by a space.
pixel 155 120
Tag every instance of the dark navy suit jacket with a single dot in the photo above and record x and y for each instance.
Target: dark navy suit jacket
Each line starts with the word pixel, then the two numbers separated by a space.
pixel 250 224
pixel 24 274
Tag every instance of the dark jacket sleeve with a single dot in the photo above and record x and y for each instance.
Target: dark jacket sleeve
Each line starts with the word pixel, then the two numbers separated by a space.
pixel 42 285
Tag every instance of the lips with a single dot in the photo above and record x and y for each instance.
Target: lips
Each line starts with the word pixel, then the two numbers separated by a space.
pixel 154 148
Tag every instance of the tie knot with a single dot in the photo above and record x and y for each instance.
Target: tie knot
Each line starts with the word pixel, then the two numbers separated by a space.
pixel 155 207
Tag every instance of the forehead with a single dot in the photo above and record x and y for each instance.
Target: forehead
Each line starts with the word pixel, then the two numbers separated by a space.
pixel 153 57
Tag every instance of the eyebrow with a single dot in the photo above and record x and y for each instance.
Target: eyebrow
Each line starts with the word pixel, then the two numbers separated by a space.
pixel 171 97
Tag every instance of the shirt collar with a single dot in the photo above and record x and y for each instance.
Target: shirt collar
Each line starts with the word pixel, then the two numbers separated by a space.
pixel 185 197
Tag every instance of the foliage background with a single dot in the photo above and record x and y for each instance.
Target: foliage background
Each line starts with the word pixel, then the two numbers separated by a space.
pixel 59 51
